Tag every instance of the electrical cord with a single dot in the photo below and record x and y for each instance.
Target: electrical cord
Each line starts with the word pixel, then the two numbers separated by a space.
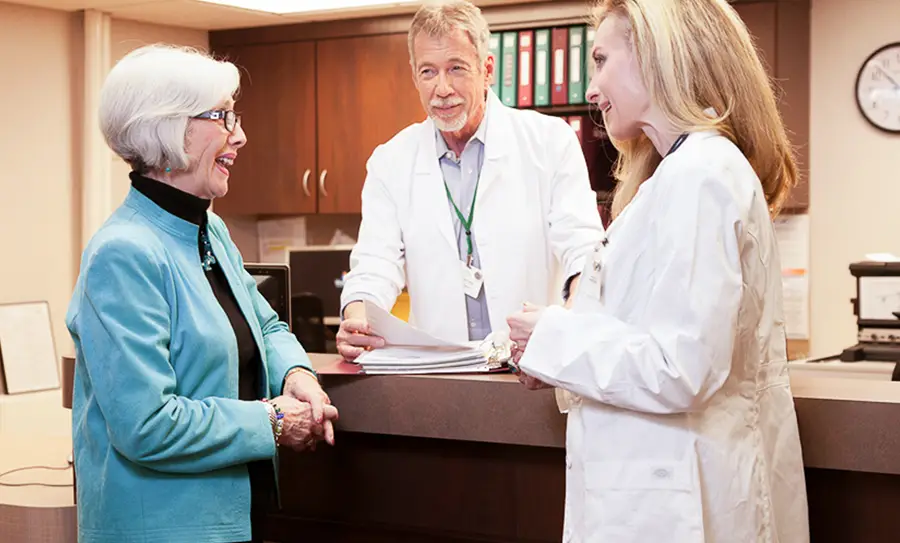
pixel 58 485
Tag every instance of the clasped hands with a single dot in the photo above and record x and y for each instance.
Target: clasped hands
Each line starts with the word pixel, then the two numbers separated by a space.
pixel 308 414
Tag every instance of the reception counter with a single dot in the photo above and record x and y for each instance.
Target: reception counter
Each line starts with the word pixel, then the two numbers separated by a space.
pixel 479 458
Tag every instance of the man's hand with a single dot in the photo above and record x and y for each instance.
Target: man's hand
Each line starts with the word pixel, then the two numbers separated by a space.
pixel 521 326
pixel 304 387
pixel 354 337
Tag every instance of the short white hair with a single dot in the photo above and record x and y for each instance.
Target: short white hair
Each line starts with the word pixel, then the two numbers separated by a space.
pixel 150 95
pixel 440 18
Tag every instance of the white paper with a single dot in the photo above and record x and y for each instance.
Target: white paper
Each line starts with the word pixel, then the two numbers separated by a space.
pixel 882 257
pixel 792 233
pixel 278 236
pixel 397 332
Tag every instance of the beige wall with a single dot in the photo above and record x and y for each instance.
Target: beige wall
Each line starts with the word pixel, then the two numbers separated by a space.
pixel 41 64
pixel 854 168
pixel 38 203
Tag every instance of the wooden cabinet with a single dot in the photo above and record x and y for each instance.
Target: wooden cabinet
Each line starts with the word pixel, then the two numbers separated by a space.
pixel 781 30
pixel 274 173
pixel 313 112
pixel 365 96
pixel 319 97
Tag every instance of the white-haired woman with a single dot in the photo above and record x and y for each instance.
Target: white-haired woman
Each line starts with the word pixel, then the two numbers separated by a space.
pixel 672 363
pixel 177 352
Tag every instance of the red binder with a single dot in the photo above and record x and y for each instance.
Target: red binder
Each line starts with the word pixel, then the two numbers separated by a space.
pixel 577 124
pixel 526 68
pixel 559 67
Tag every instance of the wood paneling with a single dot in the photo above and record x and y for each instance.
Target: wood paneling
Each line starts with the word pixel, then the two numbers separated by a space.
pixel 278 107
pixel 365 96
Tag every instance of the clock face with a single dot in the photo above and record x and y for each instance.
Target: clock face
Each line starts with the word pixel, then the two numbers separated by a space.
pixel 878 88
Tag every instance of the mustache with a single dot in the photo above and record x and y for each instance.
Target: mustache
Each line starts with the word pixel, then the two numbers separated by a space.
pixel 450 102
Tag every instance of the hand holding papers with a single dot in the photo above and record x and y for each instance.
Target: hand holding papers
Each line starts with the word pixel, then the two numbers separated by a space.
pixel 408 350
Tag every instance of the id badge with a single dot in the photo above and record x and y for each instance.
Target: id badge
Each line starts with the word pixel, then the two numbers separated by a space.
pixel 472 279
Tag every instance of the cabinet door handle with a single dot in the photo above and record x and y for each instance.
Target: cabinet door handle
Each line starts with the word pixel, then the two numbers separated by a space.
pixel 322 183
pixel 306 182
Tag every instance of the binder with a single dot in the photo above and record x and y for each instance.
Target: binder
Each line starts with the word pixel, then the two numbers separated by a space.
pixel 576 64
pixel 508 86
pixel 494 47
pixel 559 72
pixel 589 65
pixel 526 67
pixel 577 124
pixel 542 67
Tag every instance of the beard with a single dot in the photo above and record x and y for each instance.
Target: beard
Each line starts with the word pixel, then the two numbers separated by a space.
pixel 454 124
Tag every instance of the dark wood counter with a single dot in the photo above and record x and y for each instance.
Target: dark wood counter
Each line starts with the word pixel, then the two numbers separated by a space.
pixel 478 458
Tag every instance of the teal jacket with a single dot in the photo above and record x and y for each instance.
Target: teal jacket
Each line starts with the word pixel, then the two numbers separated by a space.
pixel 161 441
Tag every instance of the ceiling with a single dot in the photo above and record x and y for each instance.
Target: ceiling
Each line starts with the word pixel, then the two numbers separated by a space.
pixel 205 16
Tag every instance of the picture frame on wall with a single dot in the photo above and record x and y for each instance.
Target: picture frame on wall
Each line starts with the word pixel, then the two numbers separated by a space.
pixel 28 358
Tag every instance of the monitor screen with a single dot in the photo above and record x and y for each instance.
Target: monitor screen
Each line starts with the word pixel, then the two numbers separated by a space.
pixel 320 270
pixel 274 283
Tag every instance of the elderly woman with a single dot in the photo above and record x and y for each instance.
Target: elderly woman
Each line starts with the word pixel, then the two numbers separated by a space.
pixel 177 353
pixel 681 424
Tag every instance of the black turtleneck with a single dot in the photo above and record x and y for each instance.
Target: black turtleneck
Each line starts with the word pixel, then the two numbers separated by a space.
pixel 193 209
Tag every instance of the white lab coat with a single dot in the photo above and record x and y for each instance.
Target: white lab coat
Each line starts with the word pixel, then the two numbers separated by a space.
pixel 535 222
pixel 681 424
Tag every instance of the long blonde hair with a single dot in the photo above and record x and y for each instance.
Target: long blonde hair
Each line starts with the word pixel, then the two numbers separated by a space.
pixel 695 55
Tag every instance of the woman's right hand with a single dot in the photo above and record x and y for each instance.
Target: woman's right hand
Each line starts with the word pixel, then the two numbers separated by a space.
pixel 354 337
pixel 300 431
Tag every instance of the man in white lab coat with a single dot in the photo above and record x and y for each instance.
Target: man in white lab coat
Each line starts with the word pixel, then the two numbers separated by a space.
pixel 477 209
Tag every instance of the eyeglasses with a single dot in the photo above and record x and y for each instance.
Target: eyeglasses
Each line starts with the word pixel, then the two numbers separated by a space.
pixel 231 118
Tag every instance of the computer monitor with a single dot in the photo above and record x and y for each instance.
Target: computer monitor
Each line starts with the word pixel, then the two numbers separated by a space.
pixel 320 270
pixel 274 283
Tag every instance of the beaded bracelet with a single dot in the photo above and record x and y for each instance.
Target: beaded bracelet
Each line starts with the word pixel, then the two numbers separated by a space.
pixel 275 420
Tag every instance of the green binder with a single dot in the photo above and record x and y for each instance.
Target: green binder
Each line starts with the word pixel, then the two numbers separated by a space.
pixel 494 46
pixel 588 57
pixel 542 67
pixel 509 87
pixel 576 64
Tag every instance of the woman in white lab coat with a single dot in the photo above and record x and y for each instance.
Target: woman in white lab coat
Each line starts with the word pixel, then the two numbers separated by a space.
pixel 671 362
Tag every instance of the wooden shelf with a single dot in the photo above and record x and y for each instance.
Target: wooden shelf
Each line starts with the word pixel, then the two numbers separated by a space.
pixel 563 110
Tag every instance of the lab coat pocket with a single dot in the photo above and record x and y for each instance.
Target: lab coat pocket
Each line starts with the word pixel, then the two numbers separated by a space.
pixel 638 501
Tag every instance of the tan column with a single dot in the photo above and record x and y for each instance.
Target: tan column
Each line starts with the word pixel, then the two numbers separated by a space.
pixel 95 188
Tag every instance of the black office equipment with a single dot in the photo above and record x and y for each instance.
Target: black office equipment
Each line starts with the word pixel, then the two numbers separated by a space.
pixel 274 283
pixel 877 310
pixel 320 271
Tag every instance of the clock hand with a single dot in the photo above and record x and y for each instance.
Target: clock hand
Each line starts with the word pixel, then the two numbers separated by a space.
pixel 889 76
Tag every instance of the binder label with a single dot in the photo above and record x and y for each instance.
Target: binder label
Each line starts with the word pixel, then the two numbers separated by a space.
pixel 559 71
pixel 540 61
pixel 525 40
pixel 575 65
pixel 542 38
pixel 524 63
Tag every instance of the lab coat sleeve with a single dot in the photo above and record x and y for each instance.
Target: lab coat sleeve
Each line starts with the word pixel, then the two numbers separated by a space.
pixel 283 351
pixel 377 260
pixel 575 226
pixel 680 354
pixel 124 327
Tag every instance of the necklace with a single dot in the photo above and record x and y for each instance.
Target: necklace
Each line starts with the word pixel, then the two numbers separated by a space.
pixel 208 258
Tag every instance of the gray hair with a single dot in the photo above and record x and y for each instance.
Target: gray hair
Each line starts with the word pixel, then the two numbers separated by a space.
pixel 440 19
pixel 149 96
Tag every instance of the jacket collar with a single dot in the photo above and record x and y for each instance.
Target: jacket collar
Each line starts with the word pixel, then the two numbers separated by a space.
pixel 172 224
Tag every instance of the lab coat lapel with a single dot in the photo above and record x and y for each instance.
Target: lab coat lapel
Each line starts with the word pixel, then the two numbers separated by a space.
pixel 496 149
pixel 429 182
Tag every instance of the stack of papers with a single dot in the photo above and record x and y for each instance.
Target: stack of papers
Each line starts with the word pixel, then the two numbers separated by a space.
pixel 409 350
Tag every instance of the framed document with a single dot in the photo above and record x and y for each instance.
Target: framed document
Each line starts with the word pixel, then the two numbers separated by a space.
pixel 27 348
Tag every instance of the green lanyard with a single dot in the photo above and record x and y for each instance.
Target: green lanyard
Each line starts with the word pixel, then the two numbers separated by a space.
pixel 467 223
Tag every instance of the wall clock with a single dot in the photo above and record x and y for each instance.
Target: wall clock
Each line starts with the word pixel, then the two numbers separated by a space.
pixel 878 88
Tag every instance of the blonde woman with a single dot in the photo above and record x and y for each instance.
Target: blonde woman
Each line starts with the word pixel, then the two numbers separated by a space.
pixel 671 362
